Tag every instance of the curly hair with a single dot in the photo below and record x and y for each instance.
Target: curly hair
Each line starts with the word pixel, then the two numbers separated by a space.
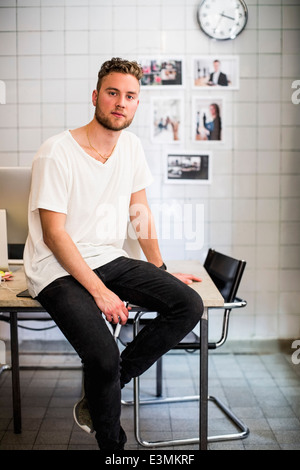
pixel 121 66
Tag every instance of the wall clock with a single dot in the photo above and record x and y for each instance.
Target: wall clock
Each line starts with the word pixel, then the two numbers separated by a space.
pixel 222 19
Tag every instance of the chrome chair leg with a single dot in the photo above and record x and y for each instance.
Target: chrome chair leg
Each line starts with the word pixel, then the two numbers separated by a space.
pixel 4 367
pixel 243 429
pixel 137 431
pixel 137 402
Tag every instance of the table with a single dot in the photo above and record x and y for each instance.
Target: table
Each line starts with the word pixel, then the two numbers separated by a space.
pixel 211 297
pixel 11 304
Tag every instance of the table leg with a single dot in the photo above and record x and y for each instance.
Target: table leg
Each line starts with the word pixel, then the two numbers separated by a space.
pixel 203 380
pixel 159 377
pixel 16 391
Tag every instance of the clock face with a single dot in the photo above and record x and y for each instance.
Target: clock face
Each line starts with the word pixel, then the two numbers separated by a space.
pixel 222 19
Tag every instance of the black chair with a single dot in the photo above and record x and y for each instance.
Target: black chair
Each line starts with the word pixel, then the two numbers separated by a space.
pixel 226 272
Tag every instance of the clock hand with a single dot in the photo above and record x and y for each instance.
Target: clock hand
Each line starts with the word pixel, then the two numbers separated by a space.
pixel 221 14
pixel 226 16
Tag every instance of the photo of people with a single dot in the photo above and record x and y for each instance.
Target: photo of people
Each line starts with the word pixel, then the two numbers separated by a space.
pixel 208 120
pixel 161 73
pixel 216 72
pixel 188 167
pixel 167 118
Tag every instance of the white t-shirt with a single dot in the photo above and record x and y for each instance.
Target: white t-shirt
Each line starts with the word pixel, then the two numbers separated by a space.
pixel 94 196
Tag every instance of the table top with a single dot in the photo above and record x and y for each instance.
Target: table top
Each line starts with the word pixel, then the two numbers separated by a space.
pixel 209 293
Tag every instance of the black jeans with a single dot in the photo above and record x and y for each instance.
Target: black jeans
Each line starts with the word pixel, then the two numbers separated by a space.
pixel 76 314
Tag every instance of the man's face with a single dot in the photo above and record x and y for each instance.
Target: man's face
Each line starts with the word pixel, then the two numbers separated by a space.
pixel 216 66
pixel 117 101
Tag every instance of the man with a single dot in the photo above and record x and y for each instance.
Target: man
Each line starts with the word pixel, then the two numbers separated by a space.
pixel 217 77
pixel 85 182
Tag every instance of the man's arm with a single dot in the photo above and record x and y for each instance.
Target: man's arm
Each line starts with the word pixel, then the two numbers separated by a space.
pixel 143 222
pixel 144 226
pixel 64 249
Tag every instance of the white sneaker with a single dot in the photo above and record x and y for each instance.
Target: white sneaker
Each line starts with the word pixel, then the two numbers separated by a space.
pixel 82 416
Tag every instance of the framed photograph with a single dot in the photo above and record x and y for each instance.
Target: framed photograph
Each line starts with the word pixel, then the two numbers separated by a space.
pixel 213 72
pixel 167 120
pixel 207 120
pixel 188 167
pixel 162 73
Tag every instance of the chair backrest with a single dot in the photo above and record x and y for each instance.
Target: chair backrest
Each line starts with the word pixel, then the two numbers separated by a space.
pixel 226 272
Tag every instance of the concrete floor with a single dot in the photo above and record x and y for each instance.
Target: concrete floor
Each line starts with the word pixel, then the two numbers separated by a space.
pixel 262 389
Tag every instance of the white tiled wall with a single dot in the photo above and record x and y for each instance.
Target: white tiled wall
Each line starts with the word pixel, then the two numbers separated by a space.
pixel 50 53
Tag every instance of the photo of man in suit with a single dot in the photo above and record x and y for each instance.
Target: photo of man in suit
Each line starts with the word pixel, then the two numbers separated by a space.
pixel 217 77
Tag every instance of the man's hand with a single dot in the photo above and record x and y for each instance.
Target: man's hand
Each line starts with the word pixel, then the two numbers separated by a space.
pixel 112 307
pixel 66 252
pixel 187 278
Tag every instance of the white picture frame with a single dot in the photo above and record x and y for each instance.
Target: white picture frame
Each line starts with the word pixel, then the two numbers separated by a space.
pixel 167 124
pixel 188 167
pixel 208 120
pixel 162 72
pixel 213 72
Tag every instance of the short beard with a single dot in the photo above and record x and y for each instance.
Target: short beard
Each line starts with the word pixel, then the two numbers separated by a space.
pixel 105 122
